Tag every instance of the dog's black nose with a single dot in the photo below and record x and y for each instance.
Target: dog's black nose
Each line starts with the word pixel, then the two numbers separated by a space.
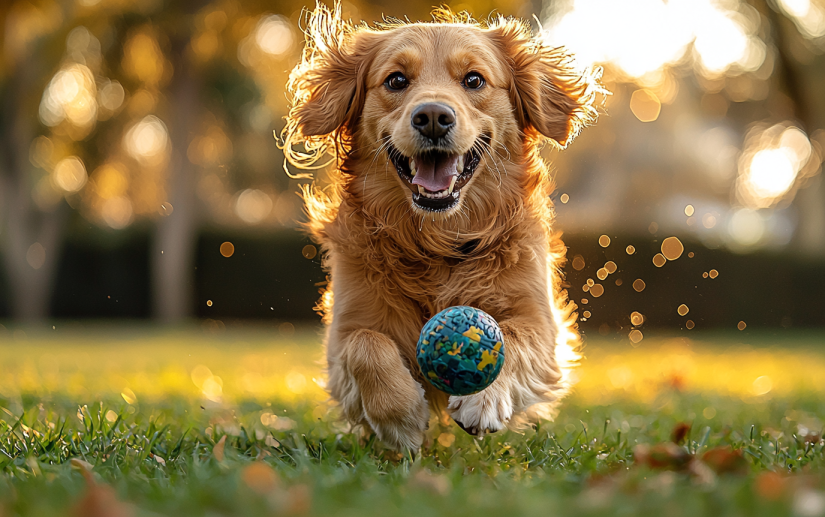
pixel 433 120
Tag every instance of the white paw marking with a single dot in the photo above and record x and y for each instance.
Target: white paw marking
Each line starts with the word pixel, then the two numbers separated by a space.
pixel 486 411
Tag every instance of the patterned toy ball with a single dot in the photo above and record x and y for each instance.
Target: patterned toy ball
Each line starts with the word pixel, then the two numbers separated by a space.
pixel 461 350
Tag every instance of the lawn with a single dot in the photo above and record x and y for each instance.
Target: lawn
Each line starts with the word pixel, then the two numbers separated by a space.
pixel 113 421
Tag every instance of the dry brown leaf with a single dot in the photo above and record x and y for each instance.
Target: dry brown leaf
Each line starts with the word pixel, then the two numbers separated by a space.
pixel 679 433
pixel 99 500
pixel 662 456
pixel 770 485
pixel 260 477
pixel 300 499
pixel 725 460
pixel 436 483
pixel 218 449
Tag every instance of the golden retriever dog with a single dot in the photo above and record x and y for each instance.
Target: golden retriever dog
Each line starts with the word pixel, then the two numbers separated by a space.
pixel 438 197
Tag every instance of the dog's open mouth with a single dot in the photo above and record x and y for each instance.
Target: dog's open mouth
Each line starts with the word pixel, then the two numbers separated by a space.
pixel 435 177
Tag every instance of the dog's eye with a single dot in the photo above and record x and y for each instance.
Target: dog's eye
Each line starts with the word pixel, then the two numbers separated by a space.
pixel 396 81
pixel 473 81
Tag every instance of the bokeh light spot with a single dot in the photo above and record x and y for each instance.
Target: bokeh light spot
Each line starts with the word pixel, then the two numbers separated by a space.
pixel 636 318
pixel 713 273
pixel 578 263
pixel 309 251
pixel 564 198
pixel 672 248
pixel 659 260
pixel 630 250
pixel 586 314
pixel 689 324
pixel 638 285
pixel 209 303
pixel 36 255
pixel 70 174
pixel 604 241
pixel 689 210
pixel 601 273
pixel 682 310
pixel 645 105
pixel 762 385
pixel 597 290
pixel 635 336
pixel 741 325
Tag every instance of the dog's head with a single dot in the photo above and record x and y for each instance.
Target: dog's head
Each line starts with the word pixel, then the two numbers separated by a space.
pixel 443 102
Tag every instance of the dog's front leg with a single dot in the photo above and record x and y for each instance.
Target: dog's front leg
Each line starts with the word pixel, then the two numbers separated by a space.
pixel 530 376
pixel 370 380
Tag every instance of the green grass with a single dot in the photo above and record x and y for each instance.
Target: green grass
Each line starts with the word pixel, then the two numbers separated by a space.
pixel 154 445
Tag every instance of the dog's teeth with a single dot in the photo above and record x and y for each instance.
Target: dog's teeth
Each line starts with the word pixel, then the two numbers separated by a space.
pixel 412 167
pixel 452 185
pixel 422 191
pixel 459 166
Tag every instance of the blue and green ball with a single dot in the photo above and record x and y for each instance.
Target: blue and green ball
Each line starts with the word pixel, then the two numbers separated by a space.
pixel 461 350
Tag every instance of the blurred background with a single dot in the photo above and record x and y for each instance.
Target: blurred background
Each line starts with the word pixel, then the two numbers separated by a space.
pixel 140 179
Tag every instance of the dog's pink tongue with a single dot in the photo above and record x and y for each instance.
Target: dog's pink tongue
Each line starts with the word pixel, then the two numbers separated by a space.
pixel 435 172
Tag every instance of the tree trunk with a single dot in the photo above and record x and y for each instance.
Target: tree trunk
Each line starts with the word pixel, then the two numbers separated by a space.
pixel 173 250
pixel 31 239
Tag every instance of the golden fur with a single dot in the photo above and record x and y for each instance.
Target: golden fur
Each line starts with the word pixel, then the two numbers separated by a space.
pixel 394 265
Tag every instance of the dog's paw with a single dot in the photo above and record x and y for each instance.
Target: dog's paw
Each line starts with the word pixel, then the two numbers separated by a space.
pixel 487 411
pixel 400 425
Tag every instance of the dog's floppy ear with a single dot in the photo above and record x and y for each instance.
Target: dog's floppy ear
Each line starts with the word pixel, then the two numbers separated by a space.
pixel 328 86
pixel 550 97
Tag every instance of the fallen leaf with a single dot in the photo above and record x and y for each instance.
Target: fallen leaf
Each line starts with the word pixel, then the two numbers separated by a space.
pixel 260 477
pixel 770 485
pixel 435 483
pixel 218 449
pixel 99 500
pixel 662 456
pixel 446 439
pixel 679 433
pixel 159 459
pixel 725 460
pixel 300 499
